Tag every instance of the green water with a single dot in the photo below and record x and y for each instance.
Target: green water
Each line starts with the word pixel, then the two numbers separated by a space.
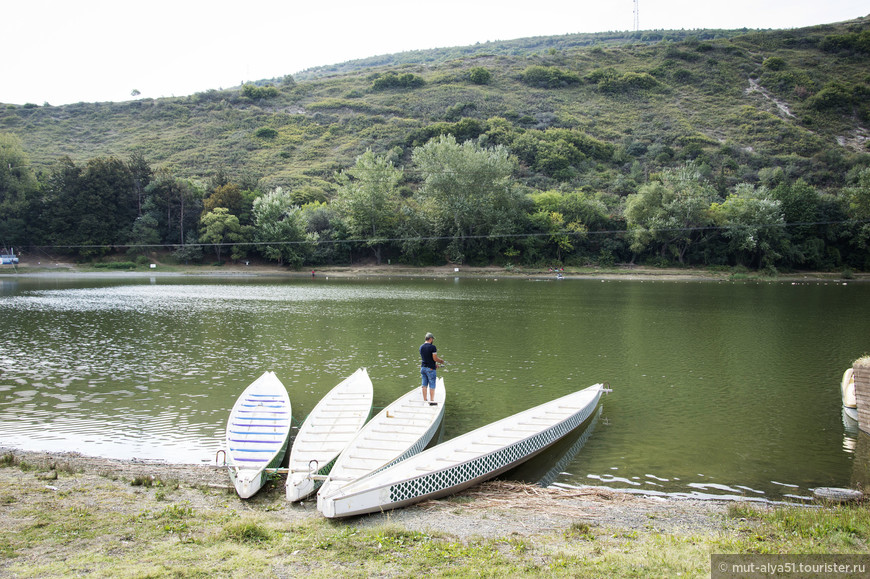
pixel 718 388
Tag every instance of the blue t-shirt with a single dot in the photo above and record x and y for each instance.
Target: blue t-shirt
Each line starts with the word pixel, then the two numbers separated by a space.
pixel 426 351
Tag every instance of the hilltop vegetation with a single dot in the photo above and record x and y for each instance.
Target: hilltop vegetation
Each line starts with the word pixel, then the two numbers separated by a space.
pixel 731 148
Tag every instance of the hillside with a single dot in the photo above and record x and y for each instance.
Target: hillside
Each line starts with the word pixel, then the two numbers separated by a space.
pixel 728 149
pixel 742 99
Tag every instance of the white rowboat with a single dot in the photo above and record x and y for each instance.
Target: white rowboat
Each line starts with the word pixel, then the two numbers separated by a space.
pixel 847 391
pixel 327 430
pixel 257 433
pixel 401 430
pixel 465 460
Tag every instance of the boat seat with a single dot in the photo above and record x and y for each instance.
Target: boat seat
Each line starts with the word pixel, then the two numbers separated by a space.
pixel 332 431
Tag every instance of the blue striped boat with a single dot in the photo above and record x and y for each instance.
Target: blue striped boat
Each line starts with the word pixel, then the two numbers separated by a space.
pixel 258 431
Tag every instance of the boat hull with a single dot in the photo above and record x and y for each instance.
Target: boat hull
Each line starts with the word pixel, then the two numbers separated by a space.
pixel 325 433
pixel 847 390
pixel 399 486
pixel 399 431
pixel 258 433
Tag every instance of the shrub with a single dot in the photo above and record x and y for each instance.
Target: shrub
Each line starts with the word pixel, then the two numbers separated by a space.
pixel 851 42
pixel 548 77
pixel 774 63
pixel 392 80
pixel 479 75
pixel 629 82
pixel 266 133
pixel 253 91
pixel 834 97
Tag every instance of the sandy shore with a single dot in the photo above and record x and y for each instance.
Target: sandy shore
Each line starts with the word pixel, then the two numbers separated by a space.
pixel 495 508
pixel 625 272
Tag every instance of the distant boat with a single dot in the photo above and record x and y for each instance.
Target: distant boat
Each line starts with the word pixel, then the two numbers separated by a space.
pixel 847 391
pixel 399 431
pixel 466 460
pixel 258 431
pixel 8 259
pixel 327 430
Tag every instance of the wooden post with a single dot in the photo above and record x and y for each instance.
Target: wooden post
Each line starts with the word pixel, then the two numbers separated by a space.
pixel 861 368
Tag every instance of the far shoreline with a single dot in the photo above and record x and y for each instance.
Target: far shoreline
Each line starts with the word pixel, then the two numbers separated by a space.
pixel 625 272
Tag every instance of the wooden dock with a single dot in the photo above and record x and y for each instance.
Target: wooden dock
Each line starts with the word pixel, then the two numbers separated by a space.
pixel 861 368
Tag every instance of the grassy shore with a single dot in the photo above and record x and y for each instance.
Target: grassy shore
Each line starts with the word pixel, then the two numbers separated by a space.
pixel 70 516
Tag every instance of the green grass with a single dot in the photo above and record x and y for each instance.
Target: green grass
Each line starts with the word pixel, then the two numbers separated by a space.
pixel 101 527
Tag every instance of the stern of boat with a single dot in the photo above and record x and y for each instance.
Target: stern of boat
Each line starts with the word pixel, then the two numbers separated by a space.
pixel 299 486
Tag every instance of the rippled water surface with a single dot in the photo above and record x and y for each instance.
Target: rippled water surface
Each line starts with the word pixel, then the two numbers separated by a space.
pixel 725 389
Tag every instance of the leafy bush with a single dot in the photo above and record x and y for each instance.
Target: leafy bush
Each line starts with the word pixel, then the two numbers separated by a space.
pixel 849 42
pixel 253 91
pixel 837 97
pixel 463 130
pixel 629 82
pixel 266 133
pixel 601 74
pixel 774 63
pixel 392 80
pixel 548 77
pixel 479 75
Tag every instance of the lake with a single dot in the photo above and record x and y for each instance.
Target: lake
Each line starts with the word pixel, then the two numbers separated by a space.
pixel 725 389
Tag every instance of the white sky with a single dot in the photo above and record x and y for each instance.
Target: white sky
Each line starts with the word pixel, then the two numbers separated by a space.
pixel 67 51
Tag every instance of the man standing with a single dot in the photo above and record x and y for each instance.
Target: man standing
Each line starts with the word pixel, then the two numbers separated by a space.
pixel 428 365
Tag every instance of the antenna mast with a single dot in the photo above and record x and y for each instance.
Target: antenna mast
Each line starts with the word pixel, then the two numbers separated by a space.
pixel 636 15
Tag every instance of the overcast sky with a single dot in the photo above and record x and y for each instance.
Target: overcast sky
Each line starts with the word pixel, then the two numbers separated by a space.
pixel 67 51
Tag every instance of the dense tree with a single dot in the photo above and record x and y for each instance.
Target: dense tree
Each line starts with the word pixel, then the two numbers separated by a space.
pixel 325 230
pixel 468 194
pixel 548 77
pixel 391 80
pixel 220 228
pixel 568 218
pixel 858 198
pixel 369 201
pixel 176 206
pixel 140 173
pixel 280 228
pixel 91 210
pixel 231 196
pixel 753 223
pixel 800 206
pixel 18 190
pixel 670 214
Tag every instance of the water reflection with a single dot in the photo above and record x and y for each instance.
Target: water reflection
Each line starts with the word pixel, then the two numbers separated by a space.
pixel 545 468
pixel 719 389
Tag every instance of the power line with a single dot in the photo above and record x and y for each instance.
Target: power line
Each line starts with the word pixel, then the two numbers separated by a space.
pixel 563 232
